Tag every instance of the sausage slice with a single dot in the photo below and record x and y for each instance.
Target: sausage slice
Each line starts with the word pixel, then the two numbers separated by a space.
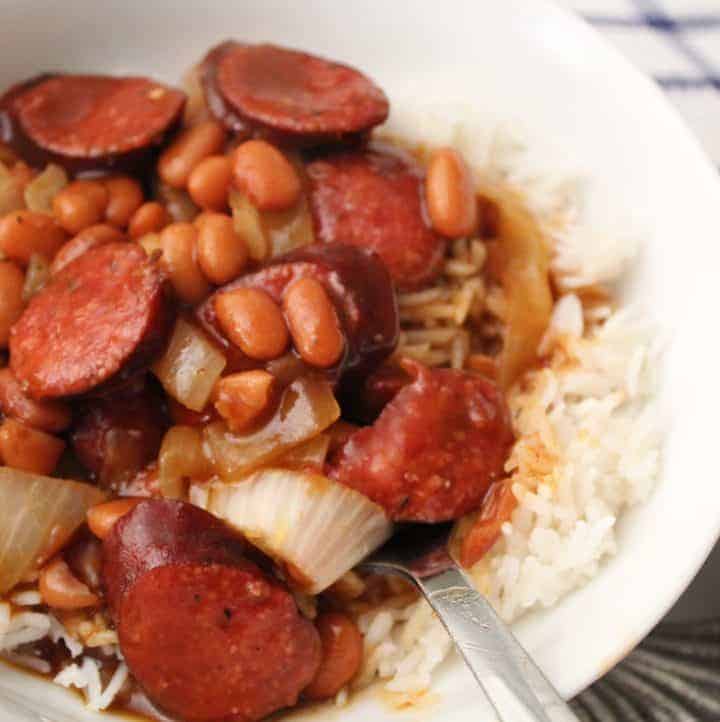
pixel 374 199
pixel 89 122
pixel 205 631
pixel 102 318
pixel 435 449
pixel 289 96
pixel 114 437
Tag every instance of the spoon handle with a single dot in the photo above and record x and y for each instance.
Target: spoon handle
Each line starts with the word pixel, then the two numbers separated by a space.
pixel 517 688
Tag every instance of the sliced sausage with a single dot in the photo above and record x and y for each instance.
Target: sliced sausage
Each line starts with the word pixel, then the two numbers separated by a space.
pixel 359 286
pixel 205 631
pixel 52 416
pixel 89 122
pixel 363 403
pixel 374 199
pixel 88 238
pixel 102 318
pixel 116 436
pixel 434 450
pixel 159 532
pixel 289 96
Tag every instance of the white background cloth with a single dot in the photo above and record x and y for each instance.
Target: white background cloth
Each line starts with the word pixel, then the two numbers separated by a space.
pixel 677 42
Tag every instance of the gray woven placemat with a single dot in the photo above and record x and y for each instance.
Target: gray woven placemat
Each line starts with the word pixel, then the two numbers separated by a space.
pixel 673 676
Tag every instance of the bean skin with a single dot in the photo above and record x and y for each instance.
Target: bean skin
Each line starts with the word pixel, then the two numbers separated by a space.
pixel 151 217
pixel 180 158
pixel 313 323
pixel 265 176
pixel 102 517
pixel 342 646
pixel 23 233
pixel 12 281
pixel 179 258
pixel 452 205
pixel 209 182
pixel 242 398
pixel 222 253
pixel 61 589
pixel 253 322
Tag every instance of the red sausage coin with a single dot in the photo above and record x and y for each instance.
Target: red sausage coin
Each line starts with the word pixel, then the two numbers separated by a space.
pixel 89 122
pixel 357 283
pixel 104 315
pixel 289 96
pixel 374 199
pixel 205 631
pixel 434 450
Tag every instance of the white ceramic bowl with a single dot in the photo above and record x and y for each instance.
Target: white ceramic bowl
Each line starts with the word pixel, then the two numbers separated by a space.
pixel 582 108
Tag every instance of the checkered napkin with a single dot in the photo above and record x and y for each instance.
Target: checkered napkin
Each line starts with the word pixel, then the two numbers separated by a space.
pixel 677 42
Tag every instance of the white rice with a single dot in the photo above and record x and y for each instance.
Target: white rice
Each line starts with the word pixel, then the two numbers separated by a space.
pixel 588 437
pixel 588 442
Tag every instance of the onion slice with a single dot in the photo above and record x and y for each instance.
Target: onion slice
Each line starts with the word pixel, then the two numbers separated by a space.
pixel 521 260
pixel 190 367
pixel 307 407
pixel 317 528
pixel 38 514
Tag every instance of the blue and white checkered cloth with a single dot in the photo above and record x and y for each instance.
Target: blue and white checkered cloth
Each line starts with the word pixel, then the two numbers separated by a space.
pixel 677 42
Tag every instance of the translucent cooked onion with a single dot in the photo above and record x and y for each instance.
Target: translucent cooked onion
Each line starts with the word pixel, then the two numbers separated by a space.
pixel 11 192
pixel 38 514
pixel 181 460
pixel 307 456
pixel 318 528
pixel 522 263
pixel 246 219
pixel 272 233
pixel 36 276
pixel 41 190
pixel 190 366
pixel 307 407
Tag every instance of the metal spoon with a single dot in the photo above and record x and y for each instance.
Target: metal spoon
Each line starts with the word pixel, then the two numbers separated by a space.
pixel 512 682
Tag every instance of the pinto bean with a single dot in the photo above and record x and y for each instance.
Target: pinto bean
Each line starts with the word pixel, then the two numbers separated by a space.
pixel 253 322
pixel 12 281
pixel 265 175
pixel 179 257
pixel 221 252
pixel 342 647
pixel 151 217
pixel 61 589
pixel 23 233
pixel 450 195
pixel 209 182
pixel 23 447
pixel 243 397
pixel 180 158
pixel 102 517
pixel 313 322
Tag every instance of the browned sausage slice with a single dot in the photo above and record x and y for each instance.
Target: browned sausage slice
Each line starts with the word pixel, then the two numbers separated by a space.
pixel 51 416
pixel 359 286
pixel 85 240
pixel 289 96
pixel 434 450
pixel 164 532
pixel 217 642
pixel 206 632
pixel 374 199
pixel 89 122
pixel 116 436
pixel 101 318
